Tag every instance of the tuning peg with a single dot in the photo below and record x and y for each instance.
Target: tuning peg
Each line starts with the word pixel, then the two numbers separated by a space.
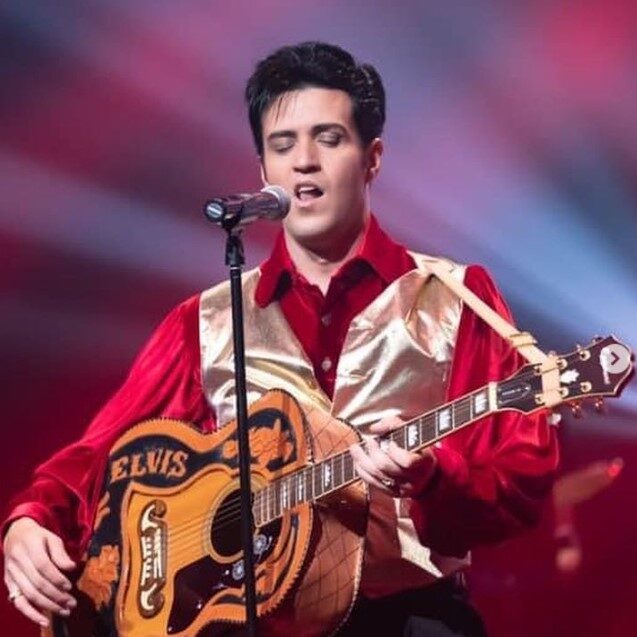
pixel 576 408
pixel 584 354
pixel 599 405
pixel 597 338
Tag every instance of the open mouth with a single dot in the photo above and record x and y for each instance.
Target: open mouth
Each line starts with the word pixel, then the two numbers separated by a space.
pixel 307 192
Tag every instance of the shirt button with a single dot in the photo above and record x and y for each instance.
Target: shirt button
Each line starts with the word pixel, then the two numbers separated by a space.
pixel 326 319
pixel 326 365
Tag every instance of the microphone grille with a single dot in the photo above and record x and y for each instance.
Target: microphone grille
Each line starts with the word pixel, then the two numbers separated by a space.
pixel 283 198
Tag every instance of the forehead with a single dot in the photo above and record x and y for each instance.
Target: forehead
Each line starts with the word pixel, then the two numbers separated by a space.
pixel 306 107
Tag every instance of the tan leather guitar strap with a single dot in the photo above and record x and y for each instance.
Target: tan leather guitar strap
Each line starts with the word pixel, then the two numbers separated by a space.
pixel 523 341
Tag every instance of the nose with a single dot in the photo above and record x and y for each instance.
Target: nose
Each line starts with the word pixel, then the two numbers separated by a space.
pixel 306 158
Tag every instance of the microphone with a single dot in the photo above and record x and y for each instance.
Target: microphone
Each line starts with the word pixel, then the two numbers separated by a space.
pixel 273 202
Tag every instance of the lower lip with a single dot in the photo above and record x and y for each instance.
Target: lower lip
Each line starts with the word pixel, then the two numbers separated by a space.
pixel 307 203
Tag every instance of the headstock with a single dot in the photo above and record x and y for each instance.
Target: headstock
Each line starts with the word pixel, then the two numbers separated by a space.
pixel 600 369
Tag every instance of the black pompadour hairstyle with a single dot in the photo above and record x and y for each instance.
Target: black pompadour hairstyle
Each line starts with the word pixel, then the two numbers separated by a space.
pixel 322 65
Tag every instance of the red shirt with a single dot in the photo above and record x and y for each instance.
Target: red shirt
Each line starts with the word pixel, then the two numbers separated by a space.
pixel 320 322
pixel 492 476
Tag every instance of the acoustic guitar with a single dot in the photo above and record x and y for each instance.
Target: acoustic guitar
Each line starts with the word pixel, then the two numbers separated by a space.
pixel 165 558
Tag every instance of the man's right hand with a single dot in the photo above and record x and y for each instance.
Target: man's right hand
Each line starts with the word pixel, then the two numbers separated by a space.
pixel 34 561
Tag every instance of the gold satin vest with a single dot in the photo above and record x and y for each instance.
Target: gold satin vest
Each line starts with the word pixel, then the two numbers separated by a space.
pixel 396 360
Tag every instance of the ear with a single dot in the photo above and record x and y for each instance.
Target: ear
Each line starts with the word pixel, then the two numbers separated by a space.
pixel 264 179
pixel 374 154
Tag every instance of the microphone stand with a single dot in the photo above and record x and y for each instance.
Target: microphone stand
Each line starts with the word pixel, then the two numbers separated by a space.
pixel 230 213
pixel 235 260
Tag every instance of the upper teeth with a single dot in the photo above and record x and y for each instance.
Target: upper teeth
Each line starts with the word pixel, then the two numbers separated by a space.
pixel 306 189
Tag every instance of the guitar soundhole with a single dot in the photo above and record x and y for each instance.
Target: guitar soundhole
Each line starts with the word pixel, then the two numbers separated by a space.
pixel 225 532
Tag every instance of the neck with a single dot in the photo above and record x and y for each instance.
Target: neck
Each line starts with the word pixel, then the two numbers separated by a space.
pixel 318 263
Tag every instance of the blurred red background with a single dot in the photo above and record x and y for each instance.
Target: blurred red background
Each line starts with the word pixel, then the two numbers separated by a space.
pixel 511 141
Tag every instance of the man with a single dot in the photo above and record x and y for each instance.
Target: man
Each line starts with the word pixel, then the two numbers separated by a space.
pixel 358 326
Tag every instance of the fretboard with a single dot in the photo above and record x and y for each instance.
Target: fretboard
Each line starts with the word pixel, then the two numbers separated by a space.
pixel 332 473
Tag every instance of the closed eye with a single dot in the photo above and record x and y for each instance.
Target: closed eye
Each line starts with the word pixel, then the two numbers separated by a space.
pixel 330 139
pixel 281 148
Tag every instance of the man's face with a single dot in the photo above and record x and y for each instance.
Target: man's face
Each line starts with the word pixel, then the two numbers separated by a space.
pixel 313 150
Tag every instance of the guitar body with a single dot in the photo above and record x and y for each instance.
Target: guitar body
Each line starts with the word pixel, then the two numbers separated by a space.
pixel 166 557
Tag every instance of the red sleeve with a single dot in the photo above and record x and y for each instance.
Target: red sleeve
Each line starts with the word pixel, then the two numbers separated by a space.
pixel 165 380
pixel 493 475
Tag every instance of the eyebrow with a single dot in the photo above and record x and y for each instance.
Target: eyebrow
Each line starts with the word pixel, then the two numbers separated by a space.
pixel 317 129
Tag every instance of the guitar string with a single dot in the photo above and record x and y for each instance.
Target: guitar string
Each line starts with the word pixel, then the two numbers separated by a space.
pixel 228 514
pixel 342 459
pixel 463 403
pixel 231 514
pixel 180 546
pixel 428 420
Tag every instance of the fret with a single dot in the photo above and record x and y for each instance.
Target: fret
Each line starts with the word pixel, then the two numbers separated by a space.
pixel 326 477
pixel 335 480
pixel 413 437
pixel 344 469
pixel 300 489
pixel 256 508
pixel 432 429
pixel 422 431
pixel 264 506
pixel 291 493
pixel 316 480
pixel 295 486
pixel 307 478
pixel 480 402
pixel 259 498
pixel 256 504
pixel 348 468
pixel 400 437
pixel 427 428
pixel 444 421
pixel 458 417
pixel 276 498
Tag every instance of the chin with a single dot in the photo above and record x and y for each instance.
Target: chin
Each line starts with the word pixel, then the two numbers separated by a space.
pixel 322 239
pixel 306 226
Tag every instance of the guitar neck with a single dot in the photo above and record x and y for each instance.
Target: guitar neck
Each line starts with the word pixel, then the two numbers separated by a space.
pixel 332 473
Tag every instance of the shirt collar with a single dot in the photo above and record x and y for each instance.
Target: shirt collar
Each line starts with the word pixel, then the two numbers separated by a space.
pixel 276 271
pixel 386 257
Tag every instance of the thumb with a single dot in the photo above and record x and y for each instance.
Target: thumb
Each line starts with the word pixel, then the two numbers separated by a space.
pixel 57 552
